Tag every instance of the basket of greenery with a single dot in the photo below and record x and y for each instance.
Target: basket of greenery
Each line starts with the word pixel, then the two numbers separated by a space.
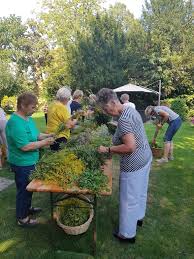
pixel 157 151
pixel 74 215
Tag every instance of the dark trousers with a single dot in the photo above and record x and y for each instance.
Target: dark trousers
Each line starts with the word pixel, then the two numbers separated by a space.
pixel 45 116
pixel 57 144
pixel 23 197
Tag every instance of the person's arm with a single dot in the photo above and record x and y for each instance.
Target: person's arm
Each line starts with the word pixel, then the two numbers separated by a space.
pixel 165 116
pixel 128 146
pixel 38 144
pixel 155 135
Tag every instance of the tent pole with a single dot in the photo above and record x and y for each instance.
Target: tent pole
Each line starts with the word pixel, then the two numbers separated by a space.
pixel 159 91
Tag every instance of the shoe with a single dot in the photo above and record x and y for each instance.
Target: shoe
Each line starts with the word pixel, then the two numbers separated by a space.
pixel 140 223
pixel 34 210
pixel 27 222
pixel 162 160
pixel 122 239
pixel 171 158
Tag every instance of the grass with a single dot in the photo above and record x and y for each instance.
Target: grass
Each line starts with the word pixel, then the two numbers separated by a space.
pixel 168 230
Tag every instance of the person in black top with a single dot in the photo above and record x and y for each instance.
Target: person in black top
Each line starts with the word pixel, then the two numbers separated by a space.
pixel 76 103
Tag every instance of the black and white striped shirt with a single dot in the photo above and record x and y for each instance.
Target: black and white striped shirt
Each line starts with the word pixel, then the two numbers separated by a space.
pixel 130 121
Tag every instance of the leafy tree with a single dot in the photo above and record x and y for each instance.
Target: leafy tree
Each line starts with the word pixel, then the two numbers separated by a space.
pixel 169 27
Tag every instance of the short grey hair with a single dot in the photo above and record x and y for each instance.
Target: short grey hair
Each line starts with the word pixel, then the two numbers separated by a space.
pixel 106 95
pixel 149 110
pixel 77 94
pixel 63 93
pixel 124 97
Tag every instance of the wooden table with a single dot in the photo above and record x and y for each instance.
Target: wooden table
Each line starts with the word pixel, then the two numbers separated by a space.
pixel 58 194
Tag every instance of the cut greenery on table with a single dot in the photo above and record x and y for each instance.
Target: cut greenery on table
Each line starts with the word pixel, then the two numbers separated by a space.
pixel 79 163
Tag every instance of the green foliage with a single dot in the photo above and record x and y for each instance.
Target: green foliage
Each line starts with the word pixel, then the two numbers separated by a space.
pixel 74 212
pixel 93 180
pixel 98 58
pixel 179 106
pixel 9 104
pixel 62 167
pixel 189 100
pixel 191 114
pixel 89 154
pixel 169 45
pixel 100 118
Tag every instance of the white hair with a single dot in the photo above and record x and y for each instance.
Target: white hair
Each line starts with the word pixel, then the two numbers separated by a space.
pixel 149 110
pixel 124 97
pixel 63 93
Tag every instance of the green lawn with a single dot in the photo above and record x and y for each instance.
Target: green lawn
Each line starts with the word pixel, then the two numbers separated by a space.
pixel 168 231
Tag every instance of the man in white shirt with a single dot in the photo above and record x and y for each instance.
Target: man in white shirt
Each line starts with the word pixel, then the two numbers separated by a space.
pixel 125 100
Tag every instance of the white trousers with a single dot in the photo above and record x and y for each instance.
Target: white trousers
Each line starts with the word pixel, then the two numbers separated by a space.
pixel 132 199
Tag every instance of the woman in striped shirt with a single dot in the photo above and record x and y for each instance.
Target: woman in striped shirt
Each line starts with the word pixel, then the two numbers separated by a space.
pixel 131 143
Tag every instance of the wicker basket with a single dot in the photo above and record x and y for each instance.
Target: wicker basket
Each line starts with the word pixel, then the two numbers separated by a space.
pixel 77 230
pixel 157 152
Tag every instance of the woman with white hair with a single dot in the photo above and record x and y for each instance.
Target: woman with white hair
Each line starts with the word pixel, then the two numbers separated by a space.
pixel 130 142
pixel 58 113
pixel 163 114
pixel 125 100
pixel 76 102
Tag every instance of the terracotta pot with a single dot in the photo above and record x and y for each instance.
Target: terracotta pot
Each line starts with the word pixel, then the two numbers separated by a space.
pixel 157 152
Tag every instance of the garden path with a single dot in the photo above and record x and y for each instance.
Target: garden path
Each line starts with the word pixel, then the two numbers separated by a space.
pixel 4 183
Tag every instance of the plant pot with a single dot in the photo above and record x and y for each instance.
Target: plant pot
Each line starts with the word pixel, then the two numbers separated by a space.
pixel 157 152
pixel 77 230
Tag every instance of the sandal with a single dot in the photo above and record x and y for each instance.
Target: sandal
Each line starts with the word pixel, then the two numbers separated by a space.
pixel 27 222
pixel 34 210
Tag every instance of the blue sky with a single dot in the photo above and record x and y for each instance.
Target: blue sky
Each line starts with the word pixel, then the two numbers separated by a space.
pixel 24 8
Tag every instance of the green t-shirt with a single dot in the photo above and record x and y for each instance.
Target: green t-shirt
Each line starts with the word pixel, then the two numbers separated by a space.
pixel 19 133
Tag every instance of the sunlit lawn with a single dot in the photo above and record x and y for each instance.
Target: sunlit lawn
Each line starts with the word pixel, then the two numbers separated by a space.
pixel 168 231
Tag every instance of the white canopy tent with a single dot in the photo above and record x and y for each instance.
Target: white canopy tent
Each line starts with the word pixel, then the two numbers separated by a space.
pixel 136 88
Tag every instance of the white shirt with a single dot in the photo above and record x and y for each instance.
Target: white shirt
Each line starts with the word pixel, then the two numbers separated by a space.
pixel 2 115
pixel 129 104
pixel 68 106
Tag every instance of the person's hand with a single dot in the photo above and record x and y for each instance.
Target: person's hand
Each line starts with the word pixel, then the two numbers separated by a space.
pixel 89 113
pixel 49 141
pixel 159 125
pixel 103 149
pixel 50 135
pixel 71 123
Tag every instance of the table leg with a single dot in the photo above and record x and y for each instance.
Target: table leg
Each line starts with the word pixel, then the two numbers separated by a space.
pixel 51 203
pixel 95 226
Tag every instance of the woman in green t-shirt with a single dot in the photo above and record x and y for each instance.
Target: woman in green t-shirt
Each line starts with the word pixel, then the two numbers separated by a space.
pixel 24 141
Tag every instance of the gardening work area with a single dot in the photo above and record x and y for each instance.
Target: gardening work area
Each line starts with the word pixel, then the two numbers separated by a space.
pixel 167 231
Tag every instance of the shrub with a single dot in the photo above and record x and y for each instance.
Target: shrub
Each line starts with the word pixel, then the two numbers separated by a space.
pixel 189 100
pixel 9 104
pixel 166 102
pixel 179 106
pixel 191 113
